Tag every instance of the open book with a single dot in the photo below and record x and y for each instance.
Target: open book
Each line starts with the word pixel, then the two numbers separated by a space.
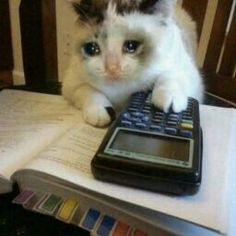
pixel 45 145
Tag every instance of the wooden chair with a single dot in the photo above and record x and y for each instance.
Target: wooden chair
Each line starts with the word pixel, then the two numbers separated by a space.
pixel 220 60
pixel 39 44
pixel 6 56
pixel 38 28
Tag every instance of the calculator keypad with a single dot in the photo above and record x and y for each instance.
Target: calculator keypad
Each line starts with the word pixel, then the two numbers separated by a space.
pixel 141 114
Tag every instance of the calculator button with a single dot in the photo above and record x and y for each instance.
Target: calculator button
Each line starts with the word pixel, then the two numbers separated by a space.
pixel 186 133
pixel 132 109
pixel 170 118
pixel 127 116
pixel 159 113
pixel 148 103
pixel 156 120
pixel 186 126
pixel 172 131
pixel 137 114
pixel 145 118
pixel 187 114
pixel 135 103
pixel 141 125
pixel 176 115
pixel 136 120
pixel 160 116
pixel 126 123
pixel 187 121
pixel 171 123
pixel 173 116
pixel 157 128
pixel 184 117
pixel 147 108
pixel 146 111
pixel 134 106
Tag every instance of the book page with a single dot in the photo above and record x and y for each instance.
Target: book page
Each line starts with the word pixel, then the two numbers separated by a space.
pixel 28 123
pixel 70 159
pixel 72 152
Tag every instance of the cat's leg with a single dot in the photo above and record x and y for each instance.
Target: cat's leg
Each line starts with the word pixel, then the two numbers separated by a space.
pixel 170 90
pixel 96 108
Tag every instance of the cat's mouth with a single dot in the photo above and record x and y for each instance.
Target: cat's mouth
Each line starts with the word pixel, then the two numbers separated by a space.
pixel 112 78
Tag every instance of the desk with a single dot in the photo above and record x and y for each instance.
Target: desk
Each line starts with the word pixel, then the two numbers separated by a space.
pixel 14 220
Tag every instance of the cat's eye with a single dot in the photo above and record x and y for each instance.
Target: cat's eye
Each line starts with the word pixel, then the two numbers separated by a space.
pixel 91 48
pixel 131 46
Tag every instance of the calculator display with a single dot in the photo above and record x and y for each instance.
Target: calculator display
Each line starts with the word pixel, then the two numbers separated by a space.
pixel 151 148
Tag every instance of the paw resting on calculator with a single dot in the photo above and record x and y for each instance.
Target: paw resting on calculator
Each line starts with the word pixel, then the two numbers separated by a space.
pixel 167 98
pixel 98 115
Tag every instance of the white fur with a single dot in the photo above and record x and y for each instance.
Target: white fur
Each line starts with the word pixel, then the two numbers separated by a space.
pixel 170 70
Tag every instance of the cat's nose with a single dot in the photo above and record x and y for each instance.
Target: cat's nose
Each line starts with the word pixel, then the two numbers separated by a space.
pixel 112 67
pixel 113 70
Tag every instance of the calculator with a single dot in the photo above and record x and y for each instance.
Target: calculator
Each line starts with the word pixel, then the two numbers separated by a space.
pixel 149 149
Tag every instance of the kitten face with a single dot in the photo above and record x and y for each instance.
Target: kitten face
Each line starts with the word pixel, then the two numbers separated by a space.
pixel 115 43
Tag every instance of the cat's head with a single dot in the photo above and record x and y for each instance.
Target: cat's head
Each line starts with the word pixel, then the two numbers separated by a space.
pixel 117 39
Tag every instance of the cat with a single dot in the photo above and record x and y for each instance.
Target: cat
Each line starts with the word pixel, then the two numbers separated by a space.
pixel 125 46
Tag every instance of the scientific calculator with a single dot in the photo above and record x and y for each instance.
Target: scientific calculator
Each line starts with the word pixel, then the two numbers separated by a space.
pixel 150 149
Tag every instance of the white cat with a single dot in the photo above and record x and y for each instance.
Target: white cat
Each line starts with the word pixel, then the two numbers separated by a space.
pixel 124 46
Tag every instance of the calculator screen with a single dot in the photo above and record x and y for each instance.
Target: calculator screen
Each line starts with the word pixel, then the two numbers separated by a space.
pixel 146 145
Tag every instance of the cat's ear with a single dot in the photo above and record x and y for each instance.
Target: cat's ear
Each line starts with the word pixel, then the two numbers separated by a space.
pixel 81 7
pixel 164 7
pixel 89 10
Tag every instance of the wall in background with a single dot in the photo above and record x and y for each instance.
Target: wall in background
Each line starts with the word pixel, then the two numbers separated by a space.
pixel 66 19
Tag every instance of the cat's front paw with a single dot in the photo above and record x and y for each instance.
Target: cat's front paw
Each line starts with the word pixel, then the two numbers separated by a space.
pixel 98 116
pixel 166 98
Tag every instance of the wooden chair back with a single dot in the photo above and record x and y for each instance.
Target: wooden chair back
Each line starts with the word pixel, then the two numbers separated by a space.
pixel 39 42
pixel 219 65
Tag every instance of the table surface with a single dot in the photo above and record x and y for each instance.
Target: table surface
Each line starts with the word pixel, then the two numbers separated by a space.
pixel 16 221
